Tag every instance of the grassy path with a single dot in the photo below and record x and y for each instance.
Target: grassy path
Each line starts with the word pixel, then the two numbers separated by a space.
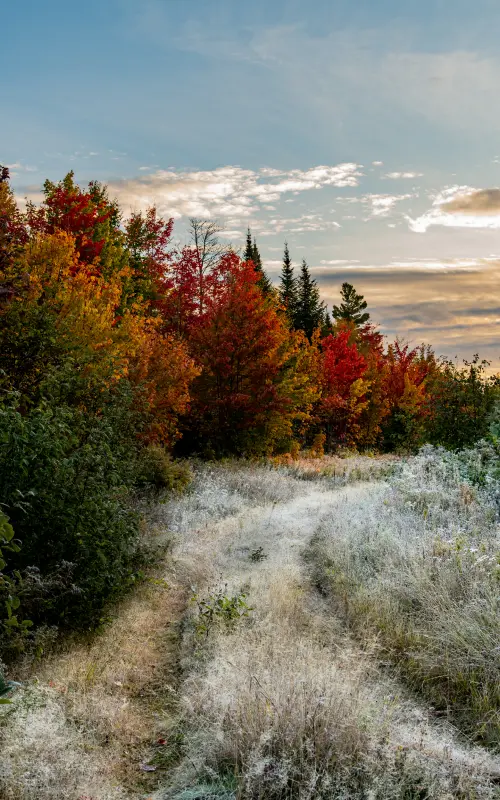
pixel 280 704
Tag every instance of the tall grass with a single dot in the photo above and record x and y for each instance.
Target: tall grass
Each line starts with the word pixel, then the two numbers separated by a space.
pixel 419 568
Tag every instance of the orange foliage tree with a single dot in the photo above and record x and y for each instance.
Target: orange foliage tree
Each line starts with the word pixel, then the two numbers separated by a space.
pixel 253 385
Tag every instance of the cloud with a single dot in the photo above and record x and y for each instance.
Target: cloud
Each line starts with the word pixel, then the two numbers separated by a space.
pixel 337 262
pixel 18 167
pixel 378 205
pixel 484 201
pixel 449 302
pixel 383 204
pixel 226 191
pixel 398 175
pixel 461 207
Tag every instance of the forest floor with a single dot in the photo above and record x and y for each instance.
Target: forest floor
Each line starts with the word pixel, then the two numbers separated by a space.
pixel 228 674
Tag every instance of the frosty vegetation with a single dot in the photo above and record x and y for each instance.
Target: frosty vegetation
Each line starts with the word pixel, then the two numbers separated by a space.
pixel 323 630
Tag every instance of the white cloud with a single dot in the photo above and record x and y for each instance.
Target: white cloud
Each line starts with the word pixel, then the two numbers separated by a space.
pixel 337 262
pixel 398 175
pixel 377 163
pixel 20 167
pixel 460 207
pixel 227 190
pixel 382 204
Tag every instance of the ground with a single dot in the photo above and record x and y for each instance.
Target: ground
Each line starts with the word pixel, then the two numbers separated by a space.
pixel 168 702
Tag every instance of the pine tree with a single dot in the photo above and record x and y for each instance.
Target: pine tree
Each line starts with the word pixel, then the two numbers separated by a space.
pixel 252 254
pixel 310 311
pixel 249 252
pixel 352 307
pixel 288 287
pixel 326 324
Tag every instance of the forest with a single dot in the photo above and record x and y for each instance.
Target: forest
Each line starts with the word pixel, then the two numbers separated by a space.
pixel 121 355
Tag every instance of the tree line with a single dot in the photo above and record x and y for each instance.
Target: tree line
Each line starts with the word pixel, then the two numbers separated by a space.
pixel 118 350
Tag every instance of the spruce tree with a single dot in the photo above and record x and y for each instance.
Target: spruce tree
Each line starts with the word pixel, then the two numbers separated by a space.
pixel 252 254
pixel 288 287
pixel 310 311
pixel 249 254
pixel 352 307
pixel 326 324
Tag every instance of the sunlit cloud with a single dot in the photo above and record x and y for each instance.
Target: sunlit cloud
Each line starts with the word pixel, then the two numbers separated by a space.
pixel 461 207
pixel 398 175
pixel 383 204
pixel 227 190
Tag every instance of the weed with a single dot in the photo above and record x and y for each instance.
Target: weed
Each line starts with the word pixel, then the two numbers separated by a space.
pixel 219 606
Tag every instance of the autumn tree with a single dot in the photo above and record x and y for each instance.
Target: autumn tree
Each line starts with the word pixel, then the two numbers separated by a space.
pixel 148 246
pixel 408 371
pixel 352 307
pixel 13 233
pixel 344 389
pixel 88 216
pixel 244 396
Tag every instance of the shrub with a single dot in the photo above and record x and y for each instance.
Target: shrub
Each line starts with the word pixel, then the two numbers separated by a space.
pixel 156 469
pixel 13 628
pixel 65 480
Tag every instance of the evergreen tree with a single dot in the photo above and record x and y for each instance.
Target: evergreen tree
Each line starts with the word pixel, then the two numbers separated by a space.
pixel 252 254
pixel 310 311
pixel 326 324
pixel 352 307
pixel 288 287
pixel 249 252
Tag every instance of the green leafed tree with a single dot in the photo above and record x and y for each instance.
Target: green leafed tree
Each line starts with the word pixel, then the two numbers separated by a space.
pixel 310 311
pixel 352 308
pixel 288 290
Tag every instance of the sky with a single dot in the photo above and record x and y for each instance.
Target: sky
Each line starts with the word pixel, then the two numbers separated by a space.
pixel 365 133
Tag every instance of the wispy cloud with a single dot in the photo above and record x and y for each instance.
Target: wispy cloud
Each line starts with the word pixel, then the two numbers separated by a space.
pixel 397 175
pixel 227 191
pixel 337 262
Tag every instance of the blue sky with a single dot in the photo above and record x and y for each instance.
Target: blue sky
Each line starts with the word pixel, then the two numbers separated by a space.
pixel 364 132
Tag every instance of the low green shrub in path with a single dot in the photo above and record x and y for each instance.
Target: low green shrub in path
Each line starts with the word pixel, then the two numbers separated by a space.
pixel 219 606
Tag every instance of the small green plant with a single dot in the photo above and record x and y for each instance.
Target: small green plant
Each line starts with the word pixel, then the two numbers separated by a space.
pixel 12 629
pixel 5 688
pixel 258 555
pixel 218 606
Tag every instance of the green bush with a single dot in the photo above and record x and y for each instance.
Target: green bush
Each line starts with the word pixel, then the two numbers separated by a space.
pixel 157 469
pixel 65 482
pixel 13 628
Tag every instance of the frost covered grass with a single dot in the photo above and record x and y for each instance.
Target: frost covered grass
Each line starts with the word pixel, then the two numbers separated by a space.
pixel 282 707
pixel 418 566
pixel 86 718
pixel 280 703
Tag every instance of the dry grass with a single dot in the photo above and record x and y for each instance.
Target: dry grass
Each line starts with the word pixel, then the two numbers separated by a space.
pixel 87 718
pixel 285 707
pixel 418 567
pixel 280 705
